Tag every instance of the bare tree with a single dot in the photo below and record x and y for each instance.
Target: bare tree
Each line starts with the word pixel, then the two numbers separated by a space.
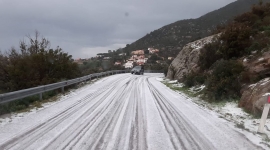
pixel 35 46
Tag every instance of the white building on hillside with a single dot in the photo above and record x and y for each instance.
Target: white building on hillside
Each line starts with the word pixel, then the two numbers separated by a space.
pixel 129 64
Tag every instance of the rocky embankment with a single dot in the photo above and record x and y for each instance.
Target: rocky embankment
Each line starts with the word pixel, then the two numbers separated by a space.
pixel 257 65
pixel 187 59
pixel 254 96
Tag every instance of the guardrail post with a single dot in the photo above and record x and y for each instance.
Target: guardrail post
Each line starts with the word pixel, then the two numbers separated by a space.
pixel 264 116
pixel 40 96
pixel 62 89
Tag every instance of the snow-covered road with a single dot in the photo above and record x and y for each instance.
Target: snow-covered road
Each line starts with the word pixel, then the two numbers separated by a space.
pixel 123 112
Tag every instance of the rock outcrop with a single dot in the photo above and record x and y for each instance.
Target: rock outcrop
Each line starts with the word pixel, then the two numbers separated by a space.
pixel 255 95
pixel 187 59
pixel 257 65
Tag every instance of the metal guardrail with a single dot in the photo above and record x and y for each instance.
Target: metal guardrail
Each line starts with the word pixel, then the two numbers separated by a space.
pixel 8 97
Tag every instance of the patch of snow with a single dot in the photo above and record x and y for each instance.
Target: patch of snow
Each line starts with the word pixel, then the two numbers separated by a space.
pixel 245 60
pixel 252 85
pixel 254 52
pixel 200 43
pixel 239 119
pixel 197 88
pixel 266 94
pixel 261 59
pixel 249 125
pixel 173 81
pixel 264 81
pixel 179 85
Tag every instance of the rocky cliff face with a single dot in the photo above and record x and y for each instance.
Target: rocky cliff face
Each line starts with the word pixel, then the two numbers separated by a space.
pixel 187 59
pixel 254 96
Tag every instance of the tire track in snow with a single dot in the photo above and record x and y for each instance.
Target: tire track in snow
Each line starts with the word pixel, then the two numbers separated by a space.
pixel 182 135
pixel 141 117
pixel 133 134
pixel 81 125
pixel 98 127
pixel 26 138
pixel 201 129
pixel 106 130
pixel 121 114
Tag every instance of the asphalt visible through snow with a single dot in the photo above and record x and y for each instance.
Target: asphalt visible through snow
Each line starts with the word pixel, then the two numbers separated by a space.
pixel 123 112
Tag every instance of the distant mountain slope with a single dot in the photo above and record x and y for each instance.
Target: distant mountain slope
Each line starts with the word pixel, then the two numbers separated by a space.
pixel 171 38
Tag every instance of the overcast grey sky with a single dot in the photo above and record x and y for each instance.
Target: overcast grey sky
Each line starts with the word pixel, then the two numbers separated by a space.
pixel 84 28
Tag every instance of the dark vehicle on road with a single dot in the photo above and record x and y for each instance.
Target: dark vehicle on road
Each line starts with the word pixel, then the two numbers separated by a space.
pixel 137 70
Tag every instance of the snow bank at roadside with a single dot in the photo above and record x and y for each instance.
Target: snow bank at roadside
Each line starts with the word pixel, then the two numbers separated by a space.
pixel 241 121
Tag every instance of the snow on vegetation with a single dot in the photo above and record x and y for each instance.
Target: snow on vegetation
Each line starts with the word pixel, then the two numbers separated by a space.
pixel 200 43
pixel 266 80
pixel 241 120
pixel 197 89
pixel 173 81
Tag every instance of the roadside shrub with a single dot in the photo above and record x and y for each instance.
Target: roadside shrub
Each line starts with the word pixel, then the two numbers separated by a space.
pixel 17 105
pixel 254 47
pixel 22 104
pixel 235 39
pixel 266 30
pixel 224 82
pixel 209 55
pixel 34 64
pixel 193 79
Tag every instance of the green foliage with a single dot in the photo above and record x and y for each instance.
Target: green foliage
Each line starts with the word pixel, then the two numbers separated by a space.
pixel 224 81
pixel 100 65
pixel 235 39
pixel 209 55
pixel 266 29
pixel 193 79
pixel 153 58
pixel 23 104
pixel 240 37
pixel 254 47
pixel 155 66
pixel 183 89
pixel 35 64
pixel 248 32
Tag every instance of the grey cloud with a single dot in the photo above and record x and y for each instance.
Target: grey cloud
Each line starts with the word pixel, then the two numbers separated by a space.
pixel 92 26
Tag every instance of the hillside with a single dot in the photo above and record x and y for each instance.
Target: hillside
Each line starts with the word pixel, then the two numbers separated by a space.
pixel 171 38
pixel 232 65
